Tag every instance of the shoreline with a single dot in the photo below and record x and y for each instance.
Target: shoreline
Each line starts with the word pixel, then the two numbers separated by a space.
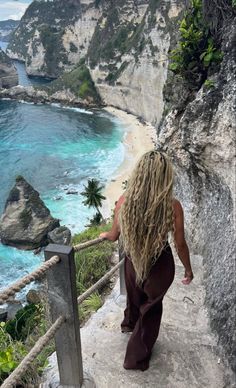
pixel 138 139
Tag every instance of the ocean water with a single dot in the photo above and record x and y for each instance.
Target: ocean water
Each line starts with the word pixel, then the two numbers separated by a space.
pixel 56 149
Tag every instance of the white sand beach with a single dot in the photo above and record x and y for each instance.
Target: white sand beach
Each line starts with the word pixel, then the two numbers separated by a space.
pixel 139 138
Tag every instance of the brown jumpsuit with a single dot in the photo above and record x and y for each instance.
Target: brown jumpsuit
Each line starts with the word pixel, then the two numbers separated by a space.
pixel 144 308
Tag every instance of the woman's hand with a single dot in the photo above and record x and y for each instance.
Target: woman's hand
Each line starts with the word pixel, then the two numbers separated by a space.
pixel 188 277
pixel 104 235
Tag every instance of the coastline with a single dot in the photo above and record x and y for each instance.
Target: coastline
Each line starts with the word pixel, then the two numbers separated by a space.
pixel 138 139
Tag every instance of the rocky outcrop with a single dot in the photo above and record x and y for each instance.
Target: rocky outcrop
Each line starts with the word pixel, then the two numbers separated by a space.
pixel 8 73
pixel 201 141
pixel 31 94
pixel 61 235
pixel 26 221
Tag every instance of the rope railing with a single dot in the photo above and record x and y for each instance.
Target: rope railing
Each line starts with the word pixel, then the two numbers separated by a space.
pixel 39 272
pixel 17 286
pixel 88 244
pixel 62 297
pixel 15 376
pixel 99 283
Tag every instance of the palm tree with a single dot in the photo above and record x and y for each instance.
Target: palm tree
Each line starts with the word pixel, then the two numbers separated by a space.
pixel 92 194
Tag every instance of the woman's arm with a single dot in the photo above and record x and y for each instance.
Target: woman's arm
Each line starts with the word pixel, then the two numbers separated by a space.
pixel 180 243
pixel 114 233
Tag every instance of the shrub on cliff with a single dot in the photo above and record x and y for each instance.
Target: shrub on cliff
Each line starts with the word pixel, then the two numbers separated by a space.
pixel 197 49
pixel 79 82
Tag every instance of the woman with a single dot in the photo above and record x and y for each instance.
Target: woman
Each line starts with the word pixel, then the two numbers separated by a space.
pixel 144 216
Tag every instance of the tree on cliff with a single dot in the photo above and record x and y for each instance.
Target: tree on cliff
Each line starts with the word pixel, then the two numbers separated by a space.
pixel 93 196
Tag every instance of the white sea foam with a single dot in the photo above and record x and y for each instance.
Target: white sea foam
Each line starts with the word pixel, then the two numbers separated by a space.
pixel 26 102
pixel 79 110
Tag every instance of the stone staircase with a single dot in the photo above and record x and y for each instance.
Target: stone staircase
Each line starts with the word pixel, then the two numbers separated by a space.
pixel 184 355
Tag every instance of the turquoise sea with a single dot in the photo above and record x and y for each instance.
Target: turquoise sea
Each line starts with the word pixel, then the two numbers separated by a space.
pixel 56 149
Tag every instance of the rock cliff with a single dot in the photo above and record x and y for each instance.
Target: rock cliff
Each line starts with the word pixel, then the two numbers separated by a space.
pixel 124 44
pixel 53 36
pixel 6 29
pixel 200 137
pixel 8 74
pixel 26 222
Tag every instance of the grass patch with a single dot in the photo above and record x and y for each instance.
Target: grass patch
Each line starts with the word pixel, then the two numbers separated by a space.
pixel 18 336
pixel 91 264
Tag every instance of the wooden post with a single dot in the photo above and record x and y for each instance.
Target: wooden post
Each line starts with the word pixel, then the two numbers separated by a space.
pixel 121 270
pixel 63 301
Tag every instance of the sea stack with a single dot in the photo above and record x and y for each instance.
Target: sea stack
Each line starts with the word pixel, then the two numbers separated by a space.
pixel 26 220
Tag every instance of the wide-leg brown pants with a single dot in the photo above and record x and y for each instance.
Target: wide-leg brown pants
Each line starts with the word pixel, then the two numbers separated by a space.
pixel 144 308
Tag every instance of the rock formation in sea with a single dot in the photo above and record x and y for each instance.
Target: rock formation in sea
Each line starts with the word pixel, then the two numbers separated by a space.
pixel 26 222
pixel 8 73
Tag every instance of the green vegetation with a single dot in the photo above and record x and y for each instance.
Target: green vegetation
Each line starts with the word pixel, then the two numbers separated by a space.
pixel 79 82
pixel 22 324
pixel 91 263
pixel 51 39
pixel 90 305
pixel 17 337
pixel 209 84
pixel 93 196
pixel 11 352
pixel 114 37
pixel 113 76
pixel 197 50
pixel 95 220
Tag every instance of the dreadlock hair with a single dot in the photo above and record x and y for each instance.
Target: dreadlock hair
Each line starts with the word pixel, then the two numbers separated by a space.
pixel 146 216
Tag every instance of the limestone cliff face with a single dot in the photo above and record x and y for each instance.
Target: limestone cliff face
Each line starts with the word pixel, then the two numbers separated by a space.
pixel 128 55
pixel 125 46
pixel 8 74
pixel 201 141
pixel 53 36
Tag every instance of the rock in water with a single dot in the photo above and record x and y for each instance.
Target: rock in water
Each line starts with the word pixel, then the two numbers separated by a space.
pixel 26 220
pixel 61 235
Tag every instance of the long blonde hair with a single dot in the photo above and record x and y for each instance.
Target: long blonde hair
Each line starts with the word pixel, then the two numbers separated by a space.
pixel 146 216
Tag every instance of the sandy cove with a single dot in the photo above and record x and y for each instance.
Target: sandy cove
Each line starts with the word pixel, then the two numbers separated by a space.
pixel 138 139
